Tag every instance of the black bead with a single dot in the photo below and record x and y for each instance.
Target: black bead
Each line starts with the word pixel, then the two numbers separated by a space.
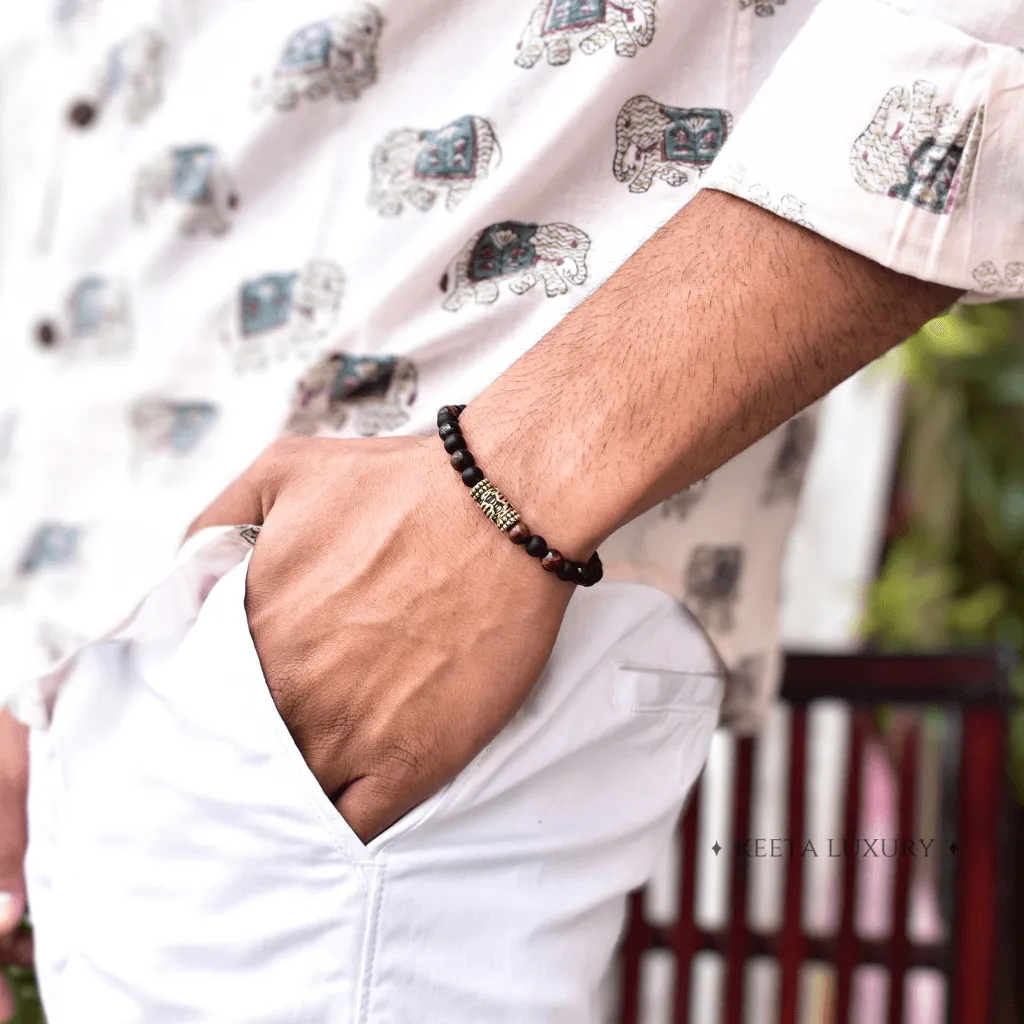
pixel 564 571
pixel 537 546
pixel 447 428
pixel 82 114
pixel 579 574
pixel 461 460
pixel 459 409
pixel 593 571
pixel 472 476
pixel 453 442
pixel 446 412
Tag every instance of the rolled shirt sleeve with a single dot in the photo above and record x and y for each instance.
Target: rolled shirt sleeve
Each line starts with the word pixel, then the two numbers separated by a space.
pixel 897 131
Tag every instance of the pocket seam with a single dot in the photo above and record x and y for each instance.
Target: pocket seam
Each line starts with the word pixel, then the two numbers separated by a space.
pixel 660 668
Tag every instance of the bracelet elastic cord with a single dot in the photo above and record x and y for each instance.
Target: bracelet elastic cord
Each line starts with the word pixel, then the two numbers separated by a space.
pixel 499 510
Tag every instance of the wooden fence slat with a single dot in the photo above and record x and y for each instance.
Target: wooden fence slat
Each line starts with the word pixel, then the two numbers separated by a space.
pixel 791 951
pixel 846 955
pixel 687 936
pixel 739 929
pixel 907 819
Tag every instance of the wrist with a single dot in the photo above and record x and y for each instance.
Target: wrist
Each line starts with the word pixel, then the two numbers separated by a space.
pixel 542 470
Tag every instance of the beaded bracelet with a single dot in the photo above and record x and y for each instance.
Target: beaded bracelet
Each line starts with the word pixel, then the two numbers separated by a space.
pixel 498 509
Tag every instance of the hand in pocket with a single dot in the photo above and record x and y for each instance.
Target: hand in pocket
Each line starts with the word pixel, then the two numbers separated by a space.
pixel 398 631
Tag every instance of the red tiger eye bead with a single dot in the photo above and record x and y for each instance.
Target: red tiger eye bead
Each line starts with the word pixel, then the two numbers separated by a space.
pixel 520 533
pixel 552 561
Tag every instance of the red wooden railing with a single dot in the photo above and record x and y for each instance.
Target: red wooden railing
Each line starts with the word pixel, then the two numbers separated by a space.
pixel 973 684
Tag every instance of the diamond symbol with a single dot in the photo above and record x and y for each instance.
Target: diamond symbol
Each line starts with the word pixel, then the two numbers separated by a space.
pixel 716 848
pixel 953 848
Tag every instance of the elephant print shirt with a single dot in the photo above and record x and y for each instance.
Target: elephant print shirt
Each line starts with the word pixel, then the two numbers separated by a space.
pixel 228 220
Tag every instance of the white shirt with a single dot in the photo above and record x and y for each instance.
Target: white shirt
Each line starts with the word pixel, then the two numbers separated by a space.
pixel 334 216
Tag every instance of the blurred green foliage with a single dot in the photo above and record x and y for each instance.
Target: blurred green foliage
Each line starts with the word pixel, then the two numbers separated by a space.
pixel 29 1009
pixel 955 571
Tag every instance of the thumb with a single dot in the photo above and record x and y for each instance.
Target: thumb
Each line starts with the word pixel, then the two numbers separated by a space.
pixel 248 499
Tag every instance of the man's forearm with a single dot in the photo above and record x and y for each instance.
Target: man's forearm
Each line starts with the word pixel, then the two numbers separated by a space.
pixel 722 326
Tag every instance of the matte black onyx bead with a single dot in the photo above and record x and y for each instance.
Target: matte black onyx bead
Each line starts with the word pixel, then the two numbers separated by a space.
pixel 447 428
pixel 82 114
pixel 446 412
pixel 520 533
pixel 594 571
pixel 579 574
pixel 537 547
pixel 461 460
pixel 552 561
pixel 564 571
pixel 472 476
pixel 453 442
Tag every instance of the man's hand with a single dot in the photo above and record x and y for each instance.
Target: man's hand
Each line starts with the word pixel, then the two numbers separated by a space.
pixel 397 628
pixel 15 945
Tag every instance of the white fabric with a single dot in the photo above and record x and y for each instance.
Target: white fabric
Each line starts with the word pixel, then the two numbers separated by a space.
pixel 184 864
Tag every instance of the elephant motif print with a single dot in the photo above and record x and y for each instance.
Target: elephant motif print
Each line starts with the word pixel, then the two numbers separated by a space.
pixel 656 141
pixel 762 8
pixel 279 315
pixel 336 56
pixel 787 471
pixel 788 206
pixel 680 505
pixel 521 254
pixel 51 546
pixel 988 278
pixel 95 322
pixel 133 74
pixel 415 167
pixel 918 151
pixel 743 685
pixel 375 391
pixel 555 24
pixel 194 177
pixel 67 11
pixel 712 582
pixel 177 428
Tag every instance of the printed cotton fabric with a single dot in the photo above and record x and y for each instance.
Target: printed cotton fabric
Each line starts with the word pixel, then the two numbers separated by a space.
pixel 225 221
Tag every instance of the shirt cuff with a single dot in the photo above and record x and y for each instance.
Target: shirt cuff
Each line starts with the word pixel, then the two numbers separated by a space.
pixel 896 135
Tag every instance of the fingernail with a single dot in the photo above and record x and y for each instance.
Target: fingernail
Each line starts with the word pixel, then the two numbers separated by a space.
pixel 8 911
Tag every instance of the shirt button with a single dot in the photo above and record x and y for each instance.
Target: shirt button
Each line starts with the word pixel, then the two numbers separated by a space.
pixel 46 334
pixel 82 114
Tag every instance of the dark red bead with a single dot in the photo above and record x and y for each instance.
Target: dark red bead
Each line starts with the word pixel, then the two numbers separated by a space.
pixel 462 459
pixel 520 533
pixel 552 561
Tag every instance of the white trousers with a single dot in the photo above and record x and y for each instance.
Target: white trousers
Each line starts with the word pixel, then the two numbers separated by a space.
pixel 185 866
